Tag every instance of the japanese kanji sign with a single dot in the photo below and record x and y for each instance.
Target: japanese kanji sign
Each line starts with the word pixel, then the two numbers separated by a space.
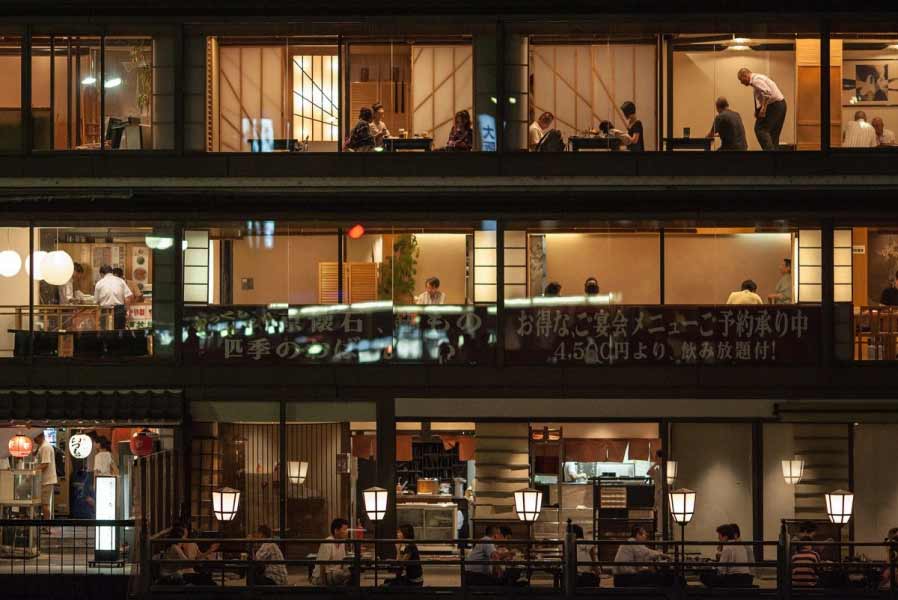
pixel 615 335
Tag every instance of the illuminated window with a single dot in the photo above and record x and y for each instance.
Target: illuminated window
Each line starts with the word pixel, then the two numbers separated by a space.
pixel 316 87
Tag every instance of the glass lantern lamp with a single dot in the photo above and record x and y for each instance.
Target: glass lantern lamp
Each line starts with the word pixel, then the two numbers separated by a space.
pixel 297 471
pixel 528 504
pixel 375 503
pixel 225 503
pixel 793 470
pixel 839 506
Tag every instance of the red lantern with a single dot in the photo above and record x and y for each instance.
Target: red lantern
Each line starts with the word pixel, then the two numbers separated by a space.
pixel 20 445
pixel 142 443
pixel 356 231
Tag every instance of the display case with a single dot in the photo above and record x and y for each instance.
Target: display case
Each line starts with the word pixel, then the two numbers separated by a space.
pixel 432 521
pixel 20 487
pixel 20 498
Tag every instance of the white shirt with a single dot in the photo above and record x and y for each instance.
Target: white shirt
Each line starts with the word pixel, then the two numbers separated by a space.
pixel 765 87
pixel 47 455
pixel 426 298
pixel 859 134
pixel 535 133
pixel 328 552
pixel 887 138
pixel 633 553
pixel 103 463
pixel 111 291
pixel 744 297
pixel 734 554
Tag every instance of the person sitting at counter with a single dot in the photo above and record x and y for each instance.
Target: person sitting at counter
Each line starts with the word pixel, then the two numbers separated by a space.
pixel 805 559
pixel 485 550
pixel 333 574
pixel 747 295
pixel 633 575
pixel 539 128
pixel 728 126
pixel 591 287
pixel 112 292
pixel 410 571
pixel 553 289
pixel 360 138
pixel 461 138
pixel 884 137
pixel 889 295
pixel 182 574
pixel 431 293
pixel 510 575
pixel 726 575
pixel 379 129
pixel 272 573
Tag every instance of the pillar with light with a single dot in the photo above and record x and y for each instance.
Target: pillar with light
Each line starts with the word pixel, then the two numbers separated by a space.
pixel 682 509
pixel 793 470
pixel 376 508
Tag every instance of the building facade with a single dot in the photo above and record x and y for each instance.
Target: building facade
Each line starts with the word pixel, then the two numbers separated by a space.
pixel 634 289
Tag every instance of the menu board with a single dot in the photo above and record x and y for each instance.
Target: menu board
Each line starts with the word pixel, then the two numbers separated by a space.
pixel 687 335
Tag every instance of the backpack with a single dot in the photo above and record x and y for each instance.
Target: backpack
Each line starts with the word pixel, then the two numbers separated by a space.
pixel 551 142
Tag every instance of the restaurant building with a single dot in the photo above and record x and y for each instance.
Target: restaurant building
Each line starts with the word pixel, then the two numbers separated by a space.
pixel 466 297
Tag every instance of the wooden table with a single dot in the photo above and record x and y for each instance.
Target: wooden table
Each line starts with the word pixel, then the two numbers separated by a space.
pixel 592 142
pixel 408 144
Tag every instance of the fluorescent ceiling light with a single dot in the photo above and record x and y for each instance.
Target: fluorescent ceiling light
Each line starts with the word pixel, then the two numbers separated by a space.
pixel 114 82
pixel 89 80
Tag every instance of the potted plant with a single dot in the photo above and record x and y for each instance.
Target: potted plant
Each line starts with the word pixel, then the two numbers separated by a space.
pixel 397 272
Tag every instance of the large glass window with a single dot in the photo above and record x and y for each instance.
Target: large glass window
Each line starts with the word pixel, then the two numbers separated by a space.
pixel 864 109
pixel 272 94
pixel 111 93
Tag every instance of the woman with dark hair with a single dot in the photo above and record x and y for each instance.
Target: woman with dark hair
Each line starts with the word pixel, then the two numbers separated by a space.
pixel 360 138
pixel 409 572
pixel 633 137
pixel 379 129
pixel 461 138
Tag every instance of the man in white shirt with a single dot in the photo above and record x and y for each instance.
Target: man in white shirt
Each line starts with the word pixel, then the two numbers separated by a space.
pixel 630 575
pixel 112 291
pixel 859 133
pixel 770 108
pixel 539 128
pixel 327 575
pixel 747 295
pixel 46 464
pixel 884 137
pixel 431 293
pixel 729 575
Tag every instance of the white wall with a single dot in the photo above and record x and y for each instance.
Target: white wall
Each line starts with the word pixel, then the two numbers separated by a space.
pixel 443 255
pixel 700 77
pixel 875 484
pixel 779 497
pixel 442 84
pixel 714 460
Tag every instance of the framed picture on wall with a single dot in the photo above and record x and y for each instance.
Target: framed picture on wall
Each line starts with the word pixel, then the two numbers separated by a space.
pixel 870 83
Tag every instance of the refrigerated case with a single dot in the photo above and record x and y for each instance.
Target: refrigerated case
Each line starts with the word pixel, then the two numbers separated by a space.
pixel 20 498
pixel 432 521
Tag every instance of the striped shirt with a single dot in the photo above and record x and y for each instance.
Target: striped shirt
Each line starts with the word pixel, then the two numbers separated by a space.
pixel 804 567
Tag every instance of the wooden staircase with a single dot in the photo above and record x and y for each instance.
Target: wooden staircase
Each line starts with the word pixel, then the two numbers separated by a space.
pixel 824 449
pixel 503 466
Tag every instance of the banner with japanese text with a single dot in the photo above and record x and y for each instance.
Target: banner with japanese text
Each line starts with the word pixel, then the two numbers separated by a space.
pixel 372 333
pixel 687 335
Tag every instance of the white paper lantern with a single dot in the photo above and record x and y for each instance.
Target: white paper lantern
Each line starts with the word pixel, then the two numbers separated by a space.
pixel 375 503
pixel 297 471
pixel 528 504
pixel 225 503
pixel 839 506
pixel 793 470
pixel 156 242
pixel 682 505
pixel 10 263
pixel 80 445
pixel 57 268
pixel 38 261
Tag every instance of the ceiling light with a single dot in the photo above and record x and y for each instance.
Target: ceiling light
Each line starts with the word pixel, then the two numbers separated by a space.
pixel 114 82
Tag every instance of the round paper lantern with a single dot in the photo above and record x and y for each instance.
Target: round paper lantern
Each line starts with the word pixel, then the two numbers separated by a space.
pixel 10 263
pixel 356 231
pixel 80 445
pixel 38 261
pixel 20 445
pixel 142 443
pixel 57 268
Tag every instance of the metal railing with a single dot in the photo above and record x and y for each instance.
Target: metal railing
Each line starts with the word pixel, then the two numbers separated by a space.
pixel 550 567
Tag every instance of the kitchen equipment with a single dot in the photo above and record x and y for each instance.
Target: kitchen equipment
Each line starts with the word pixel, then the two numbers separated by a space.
pixel 428 485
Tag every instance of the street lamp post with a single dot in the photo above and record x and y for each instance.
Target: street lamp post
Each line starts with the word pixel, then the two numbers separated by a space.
pixel 376 508
pixel 682 509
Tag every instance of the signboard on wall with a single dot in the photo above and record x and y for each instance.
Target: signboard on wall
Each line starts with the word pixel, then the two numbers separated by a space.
pixel 677 335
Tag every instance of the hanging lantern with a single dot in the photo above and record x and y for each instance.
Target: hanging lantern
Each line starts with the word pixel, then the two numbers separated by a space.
pixel 141 443
pixel 20 445
pixel 57 267
pixel 839 505
pixel 297 471
pixel 793 469
pixel 10 263
pixel 682 505
pixel 356 231
pixel 80 445
pixel 671 472
pixel 36 259
pixel 528 504
pixel 375 503
pixel 225 503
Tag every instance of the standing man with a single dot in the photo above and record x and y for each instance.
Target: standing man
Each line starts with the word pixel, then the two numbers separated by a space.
pixel 783 292
pixel 884 137
pixel 770 108
pixel 728 125
pixel 46 464
pixel 113 292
